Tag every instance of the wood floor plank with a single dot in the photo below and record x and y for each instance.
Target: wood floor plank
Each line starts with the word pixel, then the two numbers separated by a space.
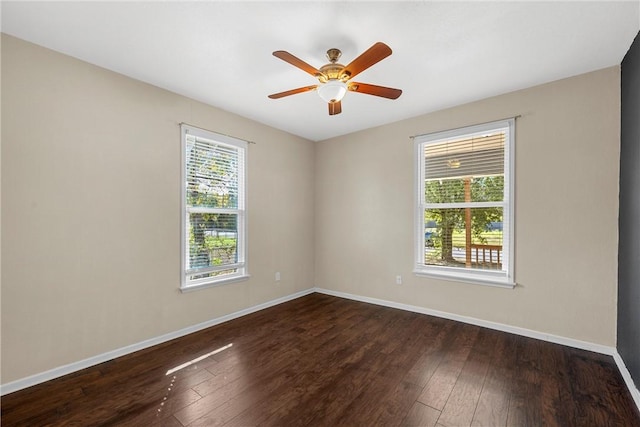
pixel 422 370
pixel 492 409
pixel 395 404
pixel 441 383
pixel 326 361
pixel 53 400
pixel 558 405
pixel 323 343
pixel 421 415
pixel 316 371
pixel 240 402
pixel 352 381
pixel 390 364
pixel 219 396
pixel 388 397
pixel 162 412
pixel 283 403
pixel 461 405
pixel 589 374
pixel 338 362
pixel 525 404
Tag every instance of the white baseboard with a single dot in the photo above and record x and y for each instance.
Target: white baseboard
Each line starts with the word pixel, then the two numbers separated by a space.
pixel 627 378
pixel 570 342
pixel 584 345
pixel 82 364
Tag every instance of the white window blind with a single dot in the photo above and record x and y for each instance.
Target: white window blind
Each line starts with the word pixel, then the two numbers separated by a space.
pixel 464 213
pixel 213 208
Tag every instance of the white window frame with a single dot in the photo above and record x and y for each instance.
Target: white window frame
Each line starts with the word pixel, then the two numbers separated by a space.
pixel 241 266
pixel 505 278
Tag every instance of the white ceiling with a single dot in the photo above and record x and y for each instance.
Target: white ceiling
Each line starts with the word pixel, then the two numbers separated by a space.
pixel 444 53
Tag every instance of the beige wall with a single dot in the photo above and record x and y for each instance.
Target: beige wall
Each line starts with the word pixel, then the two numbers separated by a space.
pixel 566 211
pixel 91 211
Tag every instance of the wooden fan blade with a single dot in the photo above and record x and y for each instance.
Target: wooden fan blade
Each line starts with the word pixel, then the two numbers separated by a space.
pixel 374 54
pixel 335 108
pixel 385 92
pixel 296 62
pixel 292 92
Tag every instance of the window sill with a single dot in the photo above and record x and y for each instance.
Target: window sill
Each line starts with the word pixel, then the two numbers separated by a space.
pixel 220 282
pixel 467 278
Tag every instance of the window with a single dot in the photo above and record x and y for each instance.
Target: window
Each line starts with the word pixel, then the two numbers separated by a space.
pixel 464 209
pixel 213 208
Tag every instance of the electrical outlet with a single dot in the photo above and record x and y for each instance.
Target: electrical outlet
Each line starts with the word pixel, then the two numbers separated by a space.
pixel 277 276
pixel 398 280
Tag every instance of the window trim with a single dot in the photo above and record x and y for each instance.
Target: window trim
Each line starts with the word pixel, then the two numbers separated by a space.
pixel 465 275
pixel 242 265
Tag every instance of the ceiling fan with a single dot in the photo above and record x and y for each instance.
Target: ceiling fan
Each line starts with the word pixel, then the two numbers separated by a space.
pixel 335 78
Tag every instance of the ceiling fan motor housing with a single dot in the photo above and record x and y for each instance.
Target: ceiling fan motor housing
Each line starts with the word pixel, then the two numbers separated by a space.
pixel 333 70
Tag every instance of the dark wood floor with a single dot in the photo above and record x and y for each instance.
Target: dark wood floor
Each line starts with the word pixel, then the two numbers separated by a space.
pixel 326 361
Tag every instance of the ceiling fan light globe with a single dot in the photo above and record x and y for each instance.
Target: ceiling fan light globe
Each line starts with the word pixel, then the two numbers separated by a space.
pixel 332 91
